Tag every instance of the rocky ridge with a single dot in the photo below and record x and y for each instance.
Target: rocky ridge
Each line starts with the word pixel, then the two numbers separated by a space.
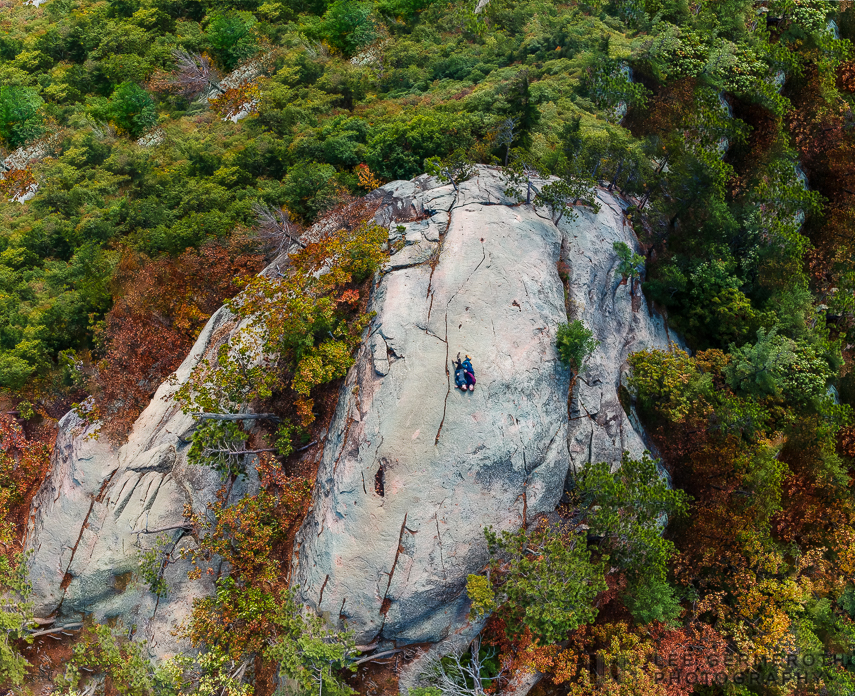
pixel 412 469
pixel 100 508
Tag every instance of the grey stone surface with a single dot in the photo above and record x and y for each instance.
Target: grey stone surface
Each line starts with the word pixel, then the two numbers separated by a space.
pixel 85 521
pixel 413 469
pixel 395 565
pixel 599 428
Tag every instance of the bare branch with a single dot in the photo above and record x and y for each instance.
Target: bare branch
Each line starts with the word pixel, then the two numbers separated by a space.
pixel 276 228
pixel 185 526
pixel 460 673
pixel 305 447
pixel 58 629
pixel 195 73
pixel 370 658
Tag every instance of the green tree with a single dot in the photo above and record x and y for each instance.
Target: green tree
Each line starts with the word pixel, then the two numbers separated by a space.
pixel 631 264
pixel 563 194
pixel 153 562
pixel 311 653
pixel 229 37
pixel 16 618
pixel 571 137
pixel 348 26
pixel 109 652
pixel 309 188
pixel 522 109
pixel 546 580
pixel 610 87
pixel 131 109
pixel 524 175
pixel 220 445
pixel 20 119
pixel 628 508
pixel 454 169
pixel 758 368
pixel 652 599
pixel 776 365
pixel 575 344
pixel 397 148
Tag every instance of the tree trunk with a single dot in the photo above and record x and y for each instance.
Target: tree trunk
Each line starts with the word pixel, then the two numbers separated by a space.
pixel 629 180
pixel 236 416
pixel 615 177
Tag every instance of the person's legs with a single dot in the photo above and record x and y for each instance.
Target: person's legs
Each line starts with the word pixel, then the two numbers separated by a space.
pixel 460 379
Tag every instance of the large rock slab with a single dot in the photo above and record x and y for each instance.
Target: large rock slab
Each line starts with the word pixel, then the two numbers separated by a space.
pixel 414 469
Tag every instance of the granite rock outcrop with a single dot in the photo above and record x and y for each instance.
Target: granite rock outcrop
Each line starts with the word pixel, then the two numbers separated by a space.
pixel 412 469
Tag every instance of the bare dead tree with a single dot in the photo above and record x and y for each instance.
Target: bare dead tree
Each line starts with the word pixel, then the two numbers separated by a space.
pixel 276 228
pixel 505 134
pixel 194 73
pixel 460 673
pixel 237 416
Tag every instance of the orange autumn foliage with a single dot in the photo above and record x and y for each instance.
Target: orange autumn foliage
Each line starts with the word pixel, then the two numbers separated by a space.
pixel 366 178
pixel 17 183
pixel 238 99
pixel 248 537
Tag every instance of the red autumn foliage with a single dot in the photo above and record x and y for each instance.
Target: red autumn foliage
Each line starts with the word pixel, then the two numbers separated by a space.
pixel 846 442
pixel 823 135
pixel 671 107
pixel 23 466
pixel 161 307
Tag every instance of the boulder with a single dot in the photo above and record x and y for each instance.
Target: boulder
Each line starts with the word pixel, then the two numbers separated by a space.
pixel 413 469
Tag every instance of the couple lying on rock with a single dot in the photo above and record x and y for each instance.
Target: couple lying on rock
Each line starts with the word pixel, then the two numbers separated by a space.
pixel 464 374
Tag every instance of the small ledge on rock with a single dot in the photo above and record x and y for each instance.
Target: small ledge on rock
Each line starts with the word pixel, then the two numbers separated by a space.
pixel 412 255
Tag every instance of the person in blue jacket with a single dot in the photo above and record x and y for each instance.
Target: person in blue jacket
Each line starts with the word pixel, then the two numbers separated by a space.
pixel 459 375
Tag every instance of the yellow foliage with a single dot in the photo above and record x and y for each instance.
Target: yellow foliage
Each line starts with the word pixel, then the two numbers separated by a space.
pixel 367 180
pixel 623 659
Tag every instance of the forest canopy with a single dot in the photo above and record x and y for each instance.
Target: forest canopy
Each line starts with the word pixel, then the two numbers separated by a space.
pixel 158 153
